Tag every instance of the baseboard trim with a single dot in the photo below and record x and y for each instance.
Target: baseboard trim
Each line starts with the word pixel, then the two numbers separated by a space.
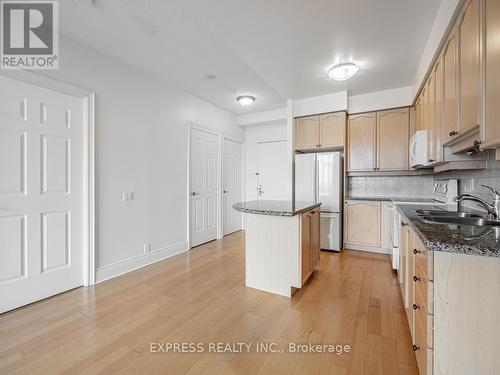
pixel 368 249
pixel 125 266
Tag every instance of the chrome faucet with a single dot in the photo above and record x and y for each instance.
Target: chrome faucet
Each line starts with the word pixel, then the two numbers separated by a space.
pixel 492 208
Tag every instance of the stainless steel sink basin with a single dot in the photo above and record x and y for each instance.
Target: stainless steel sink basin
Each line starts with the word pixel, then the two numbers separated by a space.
pixel 461 220
pixel 448 214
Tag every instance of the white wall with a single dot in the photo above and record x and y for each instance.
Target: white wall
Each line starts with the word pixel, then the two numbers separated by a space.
pixel 375 101
pixel 442 22
pixel 254 135
pixel 141 146
pixel 320 104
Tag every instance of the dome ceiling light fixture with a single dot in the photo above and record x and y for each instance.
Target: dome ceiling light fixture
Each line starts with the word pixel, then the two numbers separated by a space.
pixel 245 100
pixel 341 72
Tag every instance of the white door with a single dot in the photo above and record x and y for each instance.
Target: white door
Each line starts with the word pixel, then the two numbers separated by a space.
pixel 231 185
pixel 273 165
pixel 41 193
pixel 203 192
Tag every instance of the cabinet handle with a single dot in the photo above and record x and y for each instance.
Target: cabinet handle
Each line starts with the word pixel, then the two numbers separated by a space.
pixel 415 278
pixel 431 160
pixel 416 307
pixel 313 212
pixel 416 348
pixel 403 224
pixel 477 143
pixel 453 133
pixel 415 251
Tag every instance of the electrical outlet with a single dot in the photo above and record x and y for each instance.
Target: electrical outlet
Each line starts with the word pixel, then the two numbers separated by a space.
pixel 147 247
pixel 127 197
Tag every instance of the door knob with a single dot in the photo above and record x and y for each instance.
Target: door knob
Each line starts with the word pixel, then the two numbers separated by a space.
pixel 225 191
pixel 194 193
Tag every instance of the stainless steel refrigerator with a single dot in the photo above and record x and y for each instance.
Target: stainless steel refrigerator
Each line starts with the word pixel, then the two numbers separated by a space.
pixel 319 178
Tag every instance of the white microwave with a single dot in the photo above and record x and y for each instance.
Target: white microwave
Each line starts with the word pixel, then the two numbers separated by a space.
pixel 419 149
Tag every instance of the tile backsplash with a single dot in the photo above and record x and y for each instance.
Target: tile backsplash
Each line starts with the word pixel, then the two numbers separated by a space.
pixel 421 186
pixel 471 181
pixel 390 186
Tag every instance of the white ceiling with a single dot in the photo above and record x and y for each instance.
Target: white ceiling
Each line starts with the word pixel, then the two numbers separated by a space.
pixel 272 49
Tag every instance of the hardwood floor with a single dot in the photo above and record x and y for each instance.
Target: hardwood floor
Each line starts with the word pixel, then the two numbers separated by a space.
pixel 200 296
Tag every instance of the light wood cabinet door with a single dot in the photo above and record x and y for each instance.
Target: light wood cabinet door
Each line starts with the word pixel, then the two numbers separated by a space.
pixel 469 66
pixel 331 129
pixel 450 123
pixel 315 238
pixel 491 127
pixel 424 114
pixel 307 132
pixel 438 109
pixel 361 140
pixel 431 107
pixel 305 229
pixel 363 223
pixel 393 130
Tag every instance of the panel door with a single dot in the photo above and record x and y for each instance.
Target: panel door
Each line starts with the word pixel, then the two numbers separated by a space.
pixel 491 128
pixel 393 131
pixel 363 223
pixel 361 142
pixel 41 193
pixel 315 238
pixel 273 168
pixel 307 132
pixel 431 88
pixel 438 111
pixel 203 205
pixel 450 119
pixel 231 185
pixel 468 31
pixel 305 243
pixel 331 129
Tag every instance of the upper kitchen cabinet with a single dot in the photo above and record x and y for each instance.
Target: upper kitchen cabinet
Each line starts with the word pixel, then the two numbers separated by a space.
pixel 361 139
pixel 468 31
pixel 431 113
pixel 392 139
pixel 331 129
pixel 378 141
pixel 450 124
pixel 490 133
pixel 438 108
pixel 307 132
pixel 323 131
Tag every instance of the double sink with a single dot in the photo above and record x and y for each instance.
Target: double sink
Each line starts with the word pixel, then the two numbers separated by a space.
pixel 457 218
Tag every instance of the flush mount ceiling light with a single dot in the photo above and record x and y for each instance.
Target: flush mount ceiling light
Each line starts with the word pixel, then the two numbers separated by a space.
pixel 245 100
pixel 341 72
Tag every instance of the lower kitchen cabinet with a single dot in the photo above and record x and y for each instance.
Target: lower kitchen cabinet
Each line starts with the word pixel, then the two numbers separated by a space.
pixel 452 304
pixel 310 242
pixel 362 224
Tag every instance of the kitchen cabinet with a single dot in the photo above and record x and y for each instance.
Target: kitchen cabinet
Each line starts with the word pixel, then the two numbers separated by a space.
pixel 362 219
pixel 450 124
pixel 361 133
pixel 393 129
pixel 490 130
pixel 331 129
pixel 378 140
pixel 431 109
pixel 469 66
pixel 438 109
pixel 320 132
pixel 310 242
pixel 307 132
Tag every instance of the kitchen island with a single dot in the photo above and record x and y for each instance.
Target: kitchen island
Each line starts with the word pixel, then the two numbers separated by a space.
pixel 282 244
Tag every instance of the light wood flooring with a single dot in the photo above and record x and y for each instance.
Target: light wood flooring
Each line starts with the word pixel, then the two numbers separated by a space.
pixel 200 296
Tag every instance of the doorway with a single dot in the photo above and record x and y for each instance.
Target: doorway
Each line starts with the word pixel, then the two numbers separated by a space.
pixel 43 193
pixel 231 184
pixel 273 170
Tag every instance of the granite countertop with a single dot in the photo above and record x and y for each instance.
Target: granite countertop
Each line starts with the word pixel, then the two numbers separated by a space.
pixel 274 208
pixel 453 238
pixel 393 199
